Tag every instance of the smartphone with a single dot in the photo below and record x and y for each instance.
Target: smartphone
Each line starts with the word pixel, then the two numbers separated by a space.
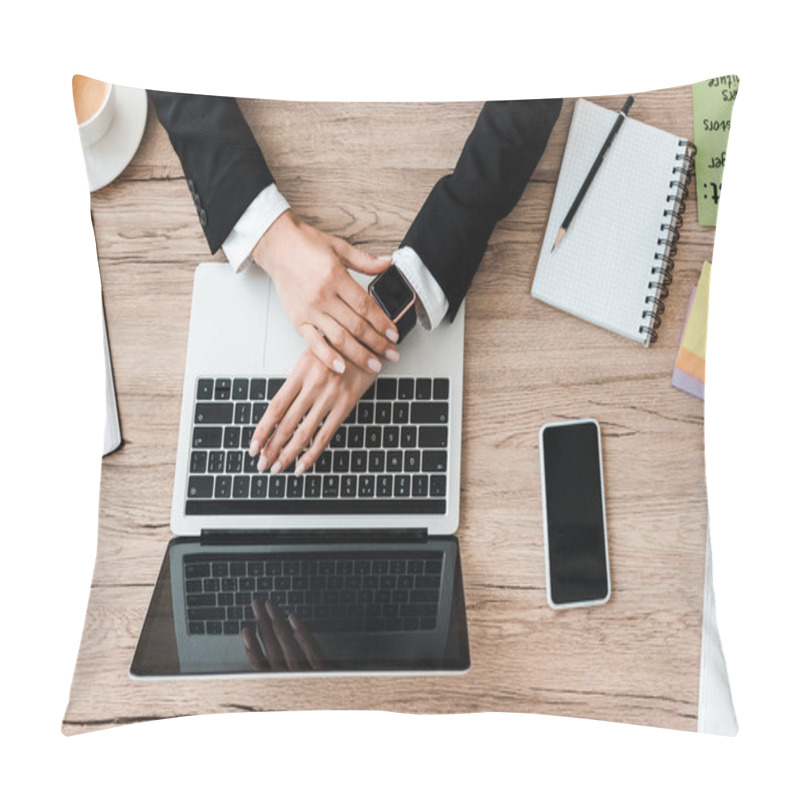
pixel 574 512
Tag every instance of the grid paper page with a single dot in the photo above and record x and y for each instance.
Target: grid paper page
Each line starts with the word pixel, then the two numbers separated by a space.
pixel 601 269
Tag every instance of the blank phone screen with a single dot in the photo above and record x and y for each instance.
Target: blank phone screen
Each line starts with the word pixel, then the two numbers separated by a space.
pixel 575 519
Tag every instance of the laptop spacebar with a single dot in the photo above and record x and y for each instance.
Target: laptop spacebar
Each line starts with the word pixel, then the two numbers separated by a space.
pixel 316 506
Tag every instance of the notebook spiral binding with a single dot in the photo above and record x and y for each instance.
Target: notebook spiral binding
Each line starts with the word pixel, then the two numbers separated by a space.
pixel 670 230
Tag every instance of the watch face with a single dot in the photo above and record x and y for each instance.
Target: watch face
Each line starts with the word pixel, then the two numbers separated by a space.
pixel 393 292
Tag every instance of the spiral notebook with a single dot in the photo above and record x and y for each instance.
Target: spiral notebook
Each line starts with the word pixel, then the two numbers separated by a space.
pixel 614 264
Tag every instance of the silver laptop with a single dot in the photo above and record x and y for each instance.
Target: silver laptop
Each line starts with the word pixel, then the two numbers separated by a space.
pixel 394 464
pixel 360 548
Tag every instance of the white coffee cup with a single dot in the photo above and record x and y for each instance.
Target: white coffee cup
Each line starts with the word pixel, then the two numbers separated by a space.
pixel 100 117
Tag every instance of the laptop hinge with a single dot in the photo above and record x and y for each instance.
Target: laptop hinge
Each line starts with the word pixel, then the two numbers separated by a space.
pixel 311 536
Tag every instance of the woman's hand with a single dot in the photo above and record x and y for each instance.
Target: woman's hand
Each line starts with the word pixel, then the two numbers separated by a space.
pixel 311 396
pixel 338 318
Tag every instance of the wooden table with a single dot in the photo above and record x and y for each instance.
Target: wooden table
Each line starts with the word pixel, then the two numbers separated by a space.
pixel 361 171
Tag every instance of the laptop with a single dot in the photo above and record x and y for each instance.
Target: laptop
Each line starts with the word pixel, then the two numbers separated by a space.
pixel 359 551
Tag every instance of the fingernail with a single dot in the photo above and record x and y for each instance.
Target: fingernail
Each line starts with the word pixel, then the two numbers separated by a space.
pixel 271 610
pixel 384 258
pixel 374 365
pixel 276 467
pixel 391 335
pixel 293 621
pixel 392 355
pixel 246 643
pixel 254 448
pixel 262 463
pixel 338 365
pixel 301 468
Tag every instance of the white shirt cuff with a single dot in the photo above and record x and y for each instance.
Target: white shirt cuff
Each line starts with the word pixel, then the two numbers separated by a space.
pixel 433 303
pixel 268 205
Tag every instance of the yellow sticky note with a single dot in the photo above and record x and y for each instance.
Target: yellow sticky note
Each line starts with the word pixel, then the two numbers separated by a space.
pixel 694 340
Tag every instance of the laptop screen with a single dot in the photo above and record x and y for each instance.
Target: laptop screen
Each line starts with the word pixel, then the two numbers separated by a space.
pixel 298 603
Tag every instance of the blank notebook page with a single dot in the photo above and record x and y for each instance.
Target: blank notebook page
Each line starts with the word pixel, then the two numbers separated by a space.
pixel 601 269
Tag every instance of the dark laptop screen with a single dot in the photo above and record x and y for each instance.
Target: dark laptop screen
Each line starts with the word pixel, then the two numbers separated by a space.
pixel 305 604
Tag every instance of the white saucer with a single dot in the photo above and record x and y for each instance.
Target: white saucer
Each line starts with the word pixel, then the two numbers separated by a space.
pixel 106 158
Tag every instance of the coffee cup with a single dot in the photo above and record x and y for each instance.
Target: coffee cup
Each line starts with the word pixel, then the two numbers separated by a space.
pixel 94 108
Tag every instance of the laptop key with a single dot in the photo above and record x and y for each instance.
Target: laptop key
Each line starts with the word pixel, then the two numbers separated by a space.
pixel 243 413
pixel 201 486
pixel 323 463
pixel 258 486
pixel 420 486
pixel 438 485
pixel 349 486
pixel 231 438
pixel 408 437
pixel 432 412
pixel 213 413
pixel 207 438
pixel 198 461
pixel 330 486
pixel 259 409
pixel 294 486
pixel 423 389
pixel 373 436
pixel 376 461
pixel 411 461
pixel 366 486
pixel 205 389
pixel 240 386
pixel 434 461
pixel 222 486
pixel 313 485
pixel 384 485
pixel 222 389
pixel 394 461
pixel 241 486
pixel 233 463
pixel 386 388
pixel 277 486
pixel 433 436
pixel 355 436
pixel 258 389
pixel 341 461
pixel 216 461
pixel 441 388
pixel 339 438
pixel 402 485
pixel 358 461
pixel 400 413
pixel 391 436
pixel 383 413
pixel 273 387
pixel 405 389
pixel 365 413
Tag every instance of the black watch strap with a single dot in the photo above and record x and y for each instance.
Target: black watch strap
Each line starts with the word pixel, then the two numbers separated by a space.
pixel 406 323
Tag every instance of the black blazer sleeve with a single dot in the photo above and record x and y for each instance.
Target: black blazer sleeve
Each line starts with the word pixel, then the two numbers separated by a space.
pixel 452 229
pixel 221 159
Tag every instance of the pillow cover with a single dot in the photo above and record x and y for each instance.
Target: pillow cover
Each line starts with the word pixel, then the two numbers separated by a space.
pixel 467 198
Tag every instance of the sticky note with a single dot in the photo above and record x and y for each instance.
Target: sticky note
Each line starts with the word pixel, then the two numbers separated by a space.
pixel 712 102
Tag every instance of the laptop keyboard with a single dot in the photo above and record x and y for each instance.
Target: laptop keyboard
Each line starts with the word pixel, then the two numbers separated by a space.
pixel 331 592
pixel 388 457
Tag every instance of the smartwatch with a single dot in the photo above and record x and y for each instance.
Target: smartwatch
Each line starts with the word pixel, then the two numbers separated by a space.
pixel 397 298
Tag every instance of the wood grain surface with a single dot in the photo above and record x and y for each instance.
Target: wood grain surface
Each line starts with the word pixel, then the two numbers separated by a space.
pixel 361 171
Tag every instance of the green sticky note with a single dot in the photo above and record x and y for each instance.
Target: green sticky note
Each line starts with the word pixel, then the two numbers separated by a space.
pixel 712 101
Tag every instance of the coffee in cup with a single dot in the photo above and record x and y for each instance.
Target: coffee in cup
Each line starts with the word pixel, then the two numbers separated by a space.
pixel 94 107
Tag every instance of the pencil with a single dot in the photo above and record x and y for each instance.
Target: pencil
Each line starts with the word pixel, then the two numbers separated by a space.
pixel 593 171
